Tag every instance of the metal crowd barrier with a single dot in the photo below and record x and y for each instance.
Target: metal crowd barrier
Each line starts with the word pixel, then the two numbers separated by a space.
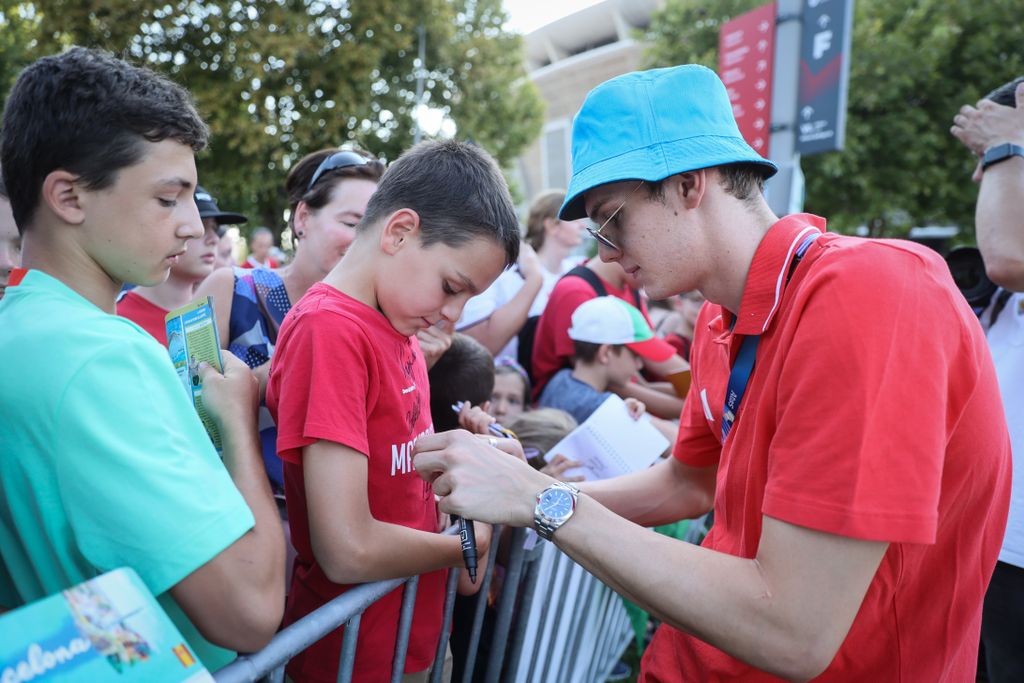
pixel 554 622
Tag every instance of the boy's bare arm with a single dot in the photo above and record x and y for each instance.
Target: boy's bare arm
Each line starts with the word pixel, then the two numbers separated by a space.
pixel 498 330
pixel 658 404
pixel 349 544
pixel 999 224
pixel 237 598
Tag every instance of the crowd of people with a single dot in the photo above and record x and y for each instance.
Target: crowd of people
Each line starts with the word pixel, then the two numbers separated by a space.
pixel 833 401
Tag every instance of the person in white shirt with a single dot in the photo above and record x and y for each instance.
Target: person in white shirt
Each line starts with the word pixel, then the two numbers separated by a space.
pixel 495 317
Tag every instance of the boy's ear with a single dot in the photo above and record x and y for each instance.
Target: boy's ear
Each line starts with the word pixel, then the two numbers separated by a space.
pixel 604 354
pixel 691 186
pixel 400 228
pixel 62 195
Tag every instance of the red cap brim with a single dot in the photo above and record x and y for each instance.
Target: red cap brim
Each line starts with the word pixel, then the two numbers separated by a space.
pixel 655 349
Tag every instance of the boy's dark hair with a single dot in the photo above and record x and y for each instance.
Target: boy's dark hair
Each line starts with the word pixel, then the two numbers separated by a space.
pixel 742 180
pixel 458 191
pixel 586 352
pixel 3 188
pixel 297 184
pixel 89 113
pixel 465 372
pixel 1006 94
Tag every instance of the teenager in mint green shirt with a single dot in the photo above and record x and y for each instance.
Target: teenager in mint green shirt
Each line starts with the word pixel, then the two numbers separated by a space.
pixel 104 462
pixel 106 465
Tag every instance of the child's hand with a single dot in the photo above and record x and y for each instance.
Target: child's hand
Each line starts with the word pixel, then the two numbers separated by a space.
pixel 434 341
pixel 443 519
pixel 557 467
pixel 635 408
pixel 529 263
pixel 233 397
pixel 482 531
pixel 475 418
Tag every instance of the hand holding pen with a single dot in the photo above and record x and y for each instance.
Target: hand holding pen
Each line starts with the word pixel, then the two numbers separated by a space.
pixel 479 422
pixel 476 419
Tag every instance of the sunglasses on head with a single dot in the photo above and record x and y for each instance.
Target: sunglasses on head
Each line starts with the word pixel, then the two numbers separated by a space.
pixel 344 159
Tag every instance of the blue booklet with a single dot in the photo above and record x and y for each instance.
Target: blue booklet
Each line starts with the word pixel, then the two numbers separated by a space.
pixel 110 628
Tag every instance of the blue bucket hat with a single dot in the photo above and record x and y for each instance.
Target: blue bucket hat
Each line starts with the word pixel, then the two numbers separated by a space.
pixel 649 125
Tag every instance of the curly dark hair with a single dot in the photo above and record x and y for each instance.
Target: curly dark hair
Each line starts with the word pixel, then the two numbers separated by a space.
pixel 89 113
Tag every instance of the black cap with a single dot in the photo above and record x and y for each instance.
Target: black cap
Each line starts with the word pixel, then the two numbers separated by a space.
pixel 208 209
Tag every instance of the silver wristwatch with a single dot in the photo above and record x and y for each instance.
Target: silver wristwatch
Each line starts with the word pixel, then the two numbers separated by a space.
pixel 555 506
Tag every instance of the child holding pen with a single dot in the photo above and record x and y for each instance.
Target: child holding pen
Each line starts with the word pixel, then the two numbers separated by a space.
pixel 349 390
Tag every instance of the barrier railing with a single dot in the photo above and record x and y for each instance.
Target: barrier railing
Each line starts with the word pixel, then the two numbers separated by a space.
pixel 553 622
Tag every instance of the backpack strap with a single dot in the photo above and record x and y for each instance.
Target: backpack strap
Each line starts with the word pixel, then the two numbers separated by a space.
pixel 591 278
pixel 998 305
pixel 598 286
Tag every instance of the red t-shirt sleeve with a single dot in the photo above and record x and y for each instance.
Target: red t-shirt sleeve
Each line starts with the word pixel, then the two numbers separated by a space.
pixel 855 453
pixel 326 389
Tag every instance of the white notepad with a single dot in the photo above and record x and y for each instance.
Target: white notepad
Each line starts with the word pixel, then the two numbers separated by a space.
pixel 611 443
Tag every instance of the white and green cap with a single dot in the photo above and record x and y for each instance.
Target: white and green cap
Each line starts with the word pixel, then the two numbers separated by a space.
pixel 610 320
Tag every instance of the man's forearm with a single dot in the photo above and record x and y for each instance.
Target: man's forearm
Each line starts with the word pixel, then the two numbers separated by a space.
pixel 738 605
pixel 999 223
pixel 664 493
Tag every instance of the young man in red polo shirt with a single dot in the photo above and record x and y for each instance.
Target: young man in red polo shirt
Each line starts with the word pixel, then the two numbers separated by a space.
pixel 844 421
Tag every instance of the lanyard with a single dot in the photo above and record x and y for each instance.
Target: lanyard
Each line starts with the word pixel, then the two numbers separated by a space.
pixel 744 365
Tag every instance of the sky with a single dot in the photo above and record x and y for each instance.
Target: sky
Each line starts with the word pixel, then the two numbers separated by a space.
pixel 528 15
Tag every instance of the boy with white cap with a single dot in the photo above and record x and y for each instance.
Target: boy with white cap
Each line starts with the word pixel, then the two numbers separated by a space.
pixel 843 420
pixel 610 338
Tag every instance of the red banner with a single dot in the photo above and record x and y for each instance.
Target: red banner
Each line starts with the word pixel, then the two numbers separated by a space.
pixel 746 51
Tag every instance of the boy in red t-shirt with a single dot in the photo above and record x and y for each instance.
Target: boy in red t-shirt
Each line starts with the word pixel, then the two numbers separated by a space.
pixel 349 392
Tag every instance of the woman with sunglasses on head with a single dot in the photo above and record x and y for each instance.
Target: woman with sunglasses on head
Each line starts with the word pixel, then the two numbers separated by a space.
pixel 327 195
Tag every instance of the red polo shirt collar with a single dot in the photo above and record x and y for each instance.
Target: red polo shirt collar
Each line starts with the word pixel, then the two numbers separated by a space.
pixel 766 280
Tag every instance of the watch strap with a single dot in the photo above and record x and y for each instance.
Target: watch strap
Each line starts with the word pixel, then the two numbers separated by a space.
pixel 996 153
pixel 546 526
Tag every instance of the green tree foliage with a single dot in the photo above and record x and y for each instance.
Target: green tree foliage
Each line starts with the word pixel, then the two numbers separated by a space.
pixel 914 63
pixel 276 79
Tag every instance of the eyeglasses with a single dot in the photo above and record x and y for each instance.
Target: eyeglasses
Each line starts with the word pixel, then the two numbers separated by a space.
pixel 345 159
pixel 596 234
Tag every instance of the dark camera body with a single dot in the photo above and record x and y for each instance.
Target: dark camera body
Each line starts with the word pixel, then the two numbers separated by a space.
pixel 968 270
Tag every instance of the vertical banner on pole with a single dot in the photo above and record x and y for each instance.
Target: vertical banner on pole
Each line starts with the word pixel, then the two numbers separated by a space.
pixel 746 51
pixel 824 75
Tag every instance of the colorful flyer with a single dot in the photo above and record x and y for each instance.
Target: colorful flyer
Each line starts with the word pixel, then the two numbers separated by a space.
pixel 191 339
pixel 108 629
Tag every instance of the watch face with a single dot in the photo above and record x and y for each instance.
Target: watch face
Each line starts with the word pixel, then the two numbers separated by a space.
pixel 556 503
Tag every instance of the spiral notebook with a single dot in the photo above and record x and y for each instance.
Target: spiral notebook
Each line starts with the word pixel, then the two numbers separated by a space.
pixel 611 443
